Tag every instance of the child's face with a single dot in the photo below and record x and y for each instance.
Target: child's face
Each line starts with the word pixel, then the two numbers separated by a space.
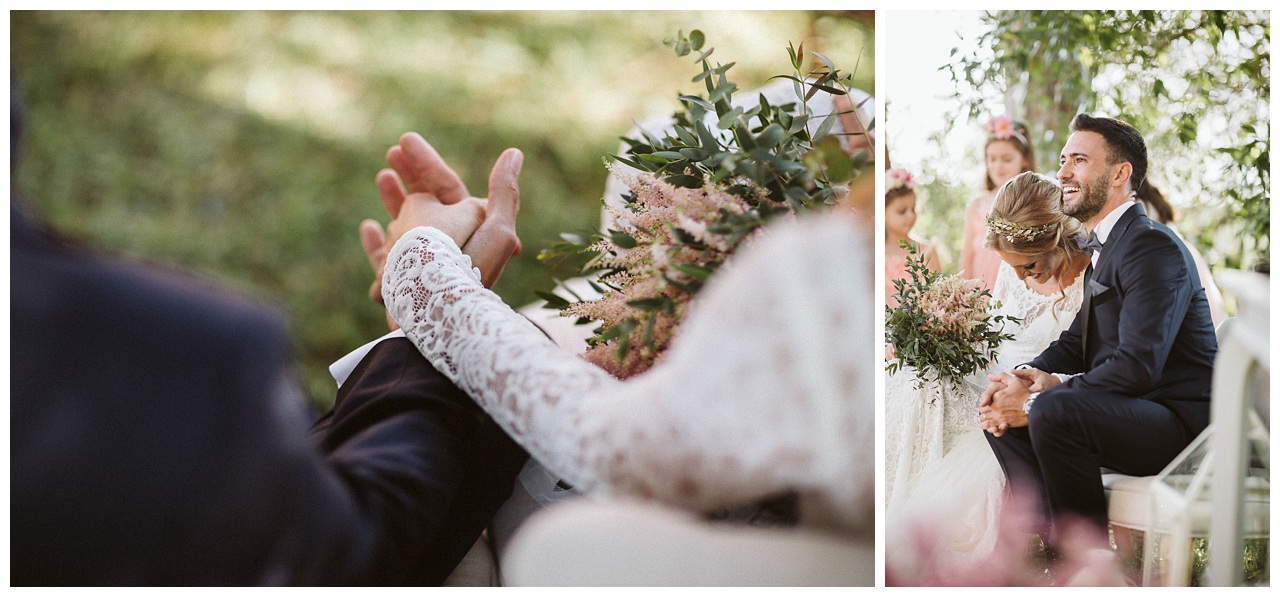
pixel 900 214
pixel 1004 161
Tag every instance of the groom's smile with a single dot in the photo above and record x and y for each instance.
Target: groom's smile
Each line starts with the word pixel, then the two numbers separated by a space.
pixel 1083 173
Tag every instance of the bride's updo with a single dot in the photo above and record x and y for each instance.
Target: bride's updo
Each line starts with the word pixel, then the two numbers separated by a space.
pixel 1026 219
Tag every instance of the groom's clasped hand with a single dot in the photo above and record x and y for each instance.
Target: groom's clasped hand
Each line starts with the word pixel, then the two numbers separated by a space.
pixel 1001 405
pixel 420 189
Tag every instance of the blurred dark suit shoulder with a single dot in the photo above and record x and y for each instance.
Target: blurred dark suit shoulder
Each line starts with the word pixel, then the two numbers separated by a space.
pixel 138 396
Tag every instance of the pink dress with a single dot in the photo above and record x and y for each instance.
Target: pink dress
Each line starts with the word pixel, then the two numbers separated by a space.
pixel 894 268
pixel 977 261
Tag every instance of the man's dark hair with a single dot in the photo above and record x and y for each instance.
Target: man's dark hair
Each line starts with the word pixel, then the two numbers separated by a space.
pixel 1124 144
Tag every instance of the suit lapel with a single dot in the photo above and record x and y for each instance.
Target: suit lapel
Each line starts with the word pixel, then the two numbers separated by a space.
pixel 1085 310
pixel 1113 240
pixel 1117 232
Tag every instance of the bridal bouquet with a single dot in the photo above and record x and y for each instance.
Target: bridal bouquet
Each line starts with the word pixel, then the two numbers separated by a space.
pixel 703 189
pixel 942 325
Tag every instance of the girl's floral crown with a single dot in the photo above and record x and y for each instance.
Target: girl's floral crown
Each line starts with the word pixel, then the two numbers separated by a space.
pixel 1015 232
pixel 1003 128
pixel 899 179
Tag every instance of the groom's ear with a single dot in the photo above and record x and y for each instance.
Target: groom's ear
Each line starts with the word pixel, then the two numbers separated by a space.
pixel 1122 175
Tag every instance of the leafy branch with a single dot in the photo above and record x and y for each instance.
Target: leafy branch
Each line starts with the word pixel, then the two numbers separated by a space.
pixel 708 183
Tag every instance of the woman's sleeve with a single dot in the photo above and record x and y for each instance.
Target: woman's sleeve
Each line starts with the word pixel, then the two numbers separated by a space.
pixel 765 388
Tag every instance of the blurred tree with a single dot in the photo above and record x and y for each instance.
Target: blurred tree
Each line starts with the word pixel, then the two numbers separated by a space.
pixel 243 145
pixel 1196 83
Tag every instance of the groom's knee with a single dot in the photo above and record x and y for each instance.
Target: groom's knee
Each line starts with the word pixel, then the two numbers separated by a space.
pixel 1052 412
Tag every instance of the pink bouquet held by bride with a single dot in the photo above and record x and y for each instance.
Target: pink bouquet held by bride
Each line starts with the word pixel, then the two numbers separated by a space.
pixel 942 325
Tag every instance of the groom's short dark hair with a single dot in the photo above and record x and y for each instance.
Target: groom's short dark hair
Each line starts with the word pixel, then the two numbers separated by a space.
pixel 1124 144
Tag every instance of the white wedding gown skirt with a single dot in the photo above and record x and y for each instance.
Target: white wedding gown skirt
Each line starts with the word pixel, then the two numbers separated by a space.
pixel 944 488
pixel 952 513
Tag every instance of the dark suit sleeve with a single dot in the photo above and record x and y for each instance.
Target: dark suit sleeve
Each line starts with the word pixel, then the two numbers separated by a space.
pixel 1154 292
pixel 410 472
pixel 1064 355
pixel 159 438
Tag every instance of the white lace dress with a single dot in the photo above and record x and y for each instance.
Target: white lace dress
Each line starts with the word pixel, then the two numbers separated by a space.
pixel 768 387
pixel 942 480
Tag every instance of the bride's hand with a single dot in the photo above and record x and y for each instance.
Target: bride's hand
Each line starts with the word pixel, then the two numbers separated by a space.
pixel 1035 379
pixel 997 421
pixel 416 167
pixel 989 394
pixel 458 220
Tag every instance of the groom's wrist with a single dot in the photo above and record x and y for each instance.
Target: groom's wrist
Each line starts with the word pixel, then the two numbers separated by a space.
pixel 1026 406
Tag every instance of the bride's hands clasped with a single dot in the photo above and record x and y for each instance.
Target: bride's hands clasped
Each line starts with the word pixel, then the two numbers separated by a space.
pixel 420 189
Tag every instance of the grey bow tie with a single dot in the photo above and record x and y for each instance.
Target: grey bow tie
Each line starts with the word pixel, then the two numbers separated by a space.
pixel 1090 245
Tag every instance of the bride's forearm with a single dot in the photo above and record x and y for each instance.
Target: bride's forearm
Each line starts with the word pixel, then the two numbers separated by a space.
pixel 546 398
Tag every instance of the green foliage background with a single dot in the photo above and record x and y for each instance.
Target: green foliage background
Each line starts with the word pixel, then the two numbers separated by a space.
pixel 243 145
pixel 1196 83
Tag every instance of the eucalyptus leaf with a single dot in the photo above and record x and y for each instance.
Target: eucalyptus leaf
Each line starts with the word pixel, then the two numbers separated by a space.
pixel 622 239
pixel 771 136
pixel 827 61
pixel 696 39
pixel 697 100
pixel 553 301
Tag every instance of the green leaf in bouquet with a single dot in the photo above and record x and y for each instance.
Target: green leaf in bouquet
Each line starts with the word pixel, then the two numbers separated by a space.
pixel 729 119
pixel 696 39
pixel 575 239
pixel 771 136
pixel 689 287
pixel 554 301
pixel 795 124
pixel 685 181
pixel 633 163
pixel 796 57
pixel 622 239
pixel 657 303
pixel 653 158
pixel 648 330
pixel 827 61
pixel 560 284
pixel 667 155
pixel 693 270
pixel 762 103
pixel 824 128
pixel 696 100
pixel 685 136
pixel 694 153
pixel 620 330
pixel 624 346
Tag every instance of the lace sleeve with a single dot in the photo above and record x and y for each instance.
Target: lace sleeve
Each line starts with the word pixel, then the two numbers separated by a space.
pixel 764 390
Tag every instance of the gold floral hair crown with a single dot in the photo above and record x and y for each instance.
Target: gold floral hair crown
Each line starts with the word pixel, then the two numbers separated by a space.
pixel 1015 232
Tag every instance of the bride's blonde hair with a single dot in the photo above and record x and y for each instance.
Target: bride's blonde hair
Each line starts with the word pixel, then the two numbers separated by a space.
pixel 1026 219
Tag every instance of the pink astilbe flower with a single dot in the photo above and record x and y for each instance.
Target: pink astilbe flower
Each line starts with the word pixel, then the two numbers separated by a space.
pixel 652 269
pixel 955 304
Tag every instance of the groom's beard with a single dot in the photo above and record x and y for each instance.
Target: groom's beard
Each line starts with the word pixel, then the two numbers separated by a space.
pixel 1093 195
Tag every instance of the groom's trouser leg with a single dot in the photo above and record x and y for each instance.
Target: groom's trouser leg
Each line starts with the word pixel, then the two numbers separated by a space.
pixel 1074 433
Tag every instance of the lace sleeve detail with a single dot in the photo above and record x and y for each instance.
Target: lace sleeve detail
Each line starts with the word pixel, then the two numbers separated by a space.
pixel 764 390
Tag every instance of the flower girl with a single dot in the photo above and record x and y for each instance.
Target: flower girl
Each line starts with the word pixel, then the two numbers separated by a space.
pixel 1007 154
pixel 899 219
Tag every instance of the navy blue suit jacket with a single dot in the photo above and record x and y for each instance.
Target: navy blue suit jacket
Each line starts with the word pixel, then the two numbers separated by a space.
pixel 158 438
pixel 1150 335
